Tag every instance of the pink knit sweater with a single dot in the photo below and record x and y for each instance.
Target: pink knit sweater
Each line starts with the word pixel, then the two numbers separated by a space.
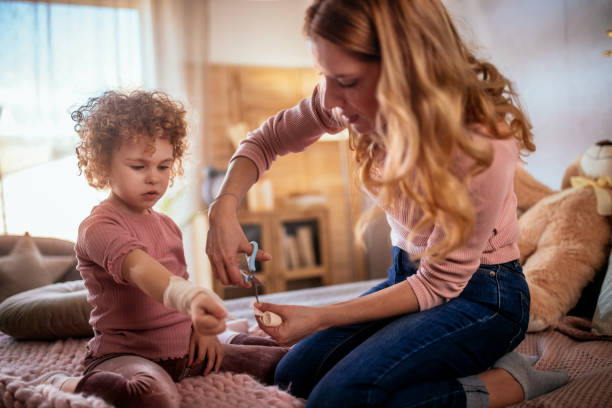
pixel 125 319
pixel 495 235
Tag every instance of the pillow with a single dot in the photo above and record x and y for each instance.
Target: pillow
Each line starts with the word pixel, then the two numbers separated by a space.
pixel 602 319
pixel 54 311
pixel 26 267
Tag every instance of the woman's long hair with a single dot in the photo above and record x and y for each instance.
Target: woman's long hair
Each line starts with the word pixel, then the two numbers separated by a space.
pixel 430 88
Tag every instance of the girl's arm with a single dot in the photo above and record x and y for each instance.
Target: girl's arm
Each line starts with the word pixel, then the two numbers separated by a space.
pixel 302 321
pixel 204 307
pixel 143 271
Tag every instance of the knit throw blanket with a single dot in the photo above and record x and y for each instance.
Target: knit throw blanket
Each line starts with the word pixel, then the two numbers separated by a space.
pixel 23 361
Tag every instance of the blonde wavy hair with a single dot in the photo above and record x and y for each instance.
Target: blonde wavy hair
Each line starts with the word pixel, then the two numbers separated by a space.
pixel 105 121
pixel 430 88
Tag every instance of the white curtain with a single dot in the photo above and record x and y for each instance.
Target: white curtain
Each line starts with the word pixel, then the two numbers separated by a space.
pixel 178 33
pixel 56 54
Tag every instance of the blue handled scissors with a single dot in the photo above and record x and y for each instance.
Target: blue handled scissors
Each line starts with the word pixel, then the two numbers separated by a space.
pixel 249 265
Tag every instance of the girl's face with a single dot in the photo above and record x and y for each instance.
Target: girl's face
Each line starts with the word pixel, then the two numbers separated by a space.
pixel 140 173
pixel 348 84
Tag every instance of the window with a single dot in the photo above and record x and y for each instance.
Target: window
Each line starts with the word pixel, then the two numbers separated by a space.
pixel 52 58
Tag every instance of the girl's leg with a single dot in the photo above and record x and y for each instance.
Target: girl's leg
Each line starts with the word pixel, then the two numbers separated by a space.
pixel 130 381
pixel 258 361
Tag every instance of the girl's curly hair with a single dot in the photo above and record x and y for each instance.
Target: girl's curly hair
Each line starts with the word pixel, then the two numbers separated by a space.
pixel 104 122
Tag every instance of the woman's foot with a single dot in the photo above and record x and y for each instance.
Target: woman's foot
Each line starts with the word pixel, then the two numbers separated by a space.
pixel 512 379
pixel 533 382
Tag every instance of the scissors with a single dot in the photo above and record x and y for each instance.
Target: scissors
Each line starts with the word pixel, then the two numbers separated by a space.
pixel 248 263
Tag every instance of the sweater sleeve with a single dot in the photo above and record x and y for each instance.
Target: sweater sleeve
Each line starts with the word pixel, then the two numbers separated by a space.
pixel 289 131
pixel 103 241
pixel 492 195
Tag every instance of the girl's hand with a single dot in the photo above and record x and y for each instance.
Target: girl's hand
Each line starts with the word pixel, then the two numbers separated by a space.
pixel 205 348
pixel 225 240
pixel 298 322
pixel 207 314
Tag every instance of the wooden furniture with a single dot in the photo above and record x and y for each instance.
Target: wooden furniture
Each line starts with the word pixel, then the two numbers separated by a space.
pixel 298 240
pixel 246 96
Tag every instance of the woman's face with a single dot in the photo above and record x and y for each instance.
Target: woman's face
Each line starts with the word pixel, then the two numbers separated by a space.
pixel 348 84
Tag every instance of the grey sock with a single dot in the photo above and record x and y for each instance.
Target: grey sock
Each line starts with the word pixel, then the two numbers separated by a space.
pixel 534 382
pixel 476 394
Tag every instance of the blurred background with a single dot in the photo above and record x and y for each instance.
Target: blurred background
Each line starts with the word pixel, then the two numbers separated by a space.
pixel 235 62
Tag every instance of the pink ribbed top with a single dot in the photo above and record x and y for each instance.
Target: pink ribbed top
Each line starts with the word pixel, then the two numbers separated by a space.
pixel 125 319
pixel 495 235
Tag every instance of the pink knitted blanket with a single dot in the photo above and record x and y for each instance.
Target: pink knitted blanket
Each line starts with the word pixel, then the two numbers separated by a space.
pixel 23 361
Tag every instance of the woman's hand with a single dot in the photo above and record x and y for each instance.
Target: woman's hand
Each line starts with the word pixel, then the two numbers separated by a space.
pixel 226 240
pixel 298 322
pixel 205 348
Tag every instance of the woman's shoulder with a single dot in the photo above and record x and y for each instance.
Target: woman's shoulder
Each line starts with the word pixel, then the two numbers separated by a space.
pixel 505 150
pixel 498 175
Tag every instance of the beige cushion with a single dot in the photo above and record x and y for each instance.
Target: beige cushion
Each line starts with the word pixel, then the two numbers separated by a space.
pixel 50 312
pixel 602 319
pixel 27 262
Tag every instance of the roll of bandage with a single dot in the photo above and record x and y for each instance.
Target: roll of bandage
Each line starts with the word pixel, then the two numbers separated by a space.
pixel 268 318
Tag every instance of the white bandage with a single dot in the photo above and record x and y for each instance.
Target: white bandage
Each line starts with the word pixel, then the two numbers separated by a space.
pixel 180 292
pixel 268 318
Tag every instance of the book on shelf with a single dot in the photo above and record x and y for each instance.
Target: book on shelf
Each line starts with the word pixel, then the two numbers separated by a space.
pixel 305 246
pixel 291 251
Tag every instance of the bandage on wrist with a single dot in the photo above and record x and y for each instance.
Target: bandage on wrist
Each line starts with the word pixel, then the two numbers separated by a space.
pixel 180 293
pixel 268 318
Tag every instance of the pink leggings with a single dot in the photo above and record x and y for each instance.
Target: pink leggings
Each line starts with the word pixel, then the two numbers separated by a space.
pixel 127 380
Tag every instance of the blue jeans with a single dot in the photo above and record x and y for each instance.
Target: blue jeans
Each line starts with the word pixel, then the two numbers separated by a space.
pixel 412 360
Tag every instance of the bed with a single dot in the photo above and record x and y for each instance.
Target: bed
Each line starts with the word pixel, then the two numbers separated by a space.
pixel 587 357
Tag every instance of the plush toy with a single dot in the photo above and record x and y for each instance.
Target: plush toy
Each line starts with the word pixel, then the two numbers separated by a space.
pixel 564 236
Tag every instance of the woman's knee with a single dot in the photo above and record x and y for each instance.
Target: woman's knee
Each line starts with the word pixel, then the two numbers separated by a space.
pixel 338 389
pixel 287 370
pixel 296 375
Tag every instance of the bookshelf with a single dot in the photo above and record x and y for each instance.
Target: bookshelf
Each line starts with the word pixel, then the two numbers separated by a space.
pixel 297 239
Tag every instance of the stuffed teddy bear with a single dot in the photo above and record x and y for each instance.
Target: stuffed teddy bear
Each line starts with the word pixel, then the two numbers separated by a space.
pixel 564 236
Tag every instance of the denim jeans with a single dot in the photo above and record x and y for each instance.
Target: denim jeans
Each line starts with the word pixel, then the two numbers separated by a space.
pixel 412 360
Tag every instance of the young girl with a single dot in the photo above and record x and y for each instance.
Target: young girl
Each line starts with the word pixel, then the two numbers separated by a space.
pixel 436 134
pixel 151 325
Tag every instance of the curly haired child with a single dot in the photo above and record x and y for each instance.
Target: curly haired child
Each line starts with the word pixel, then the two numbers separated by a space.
pixel 152 326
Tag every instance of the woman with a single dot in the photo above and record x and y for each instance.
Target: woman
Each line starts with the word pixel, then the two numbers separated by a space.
pixel 436 134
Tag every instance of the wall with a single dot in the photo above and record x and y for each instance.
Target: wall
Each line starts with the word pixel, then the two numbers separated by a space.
pixel 252 32
pixel 552 50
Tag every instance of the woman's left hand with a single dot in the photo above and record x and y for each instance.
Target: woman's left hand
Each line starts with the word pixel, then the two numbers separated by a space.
pixel 298 322
pixel 205 348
